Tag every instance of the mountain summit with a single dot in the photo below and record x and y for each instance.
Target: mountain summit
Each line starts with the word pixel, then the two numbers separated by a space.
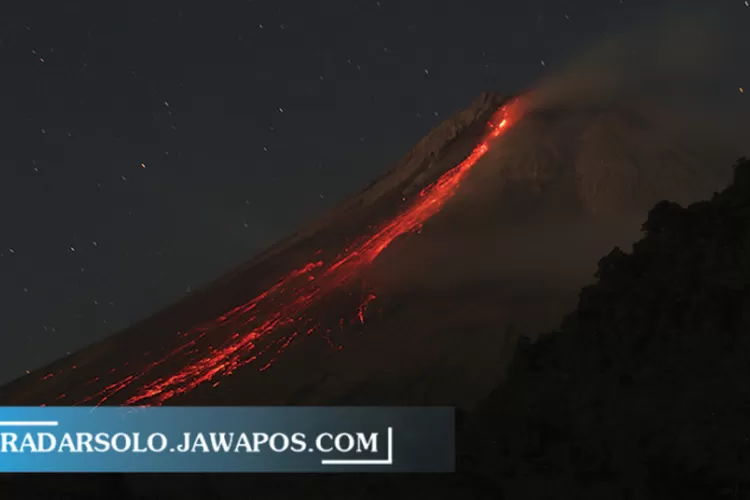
pixel 413 291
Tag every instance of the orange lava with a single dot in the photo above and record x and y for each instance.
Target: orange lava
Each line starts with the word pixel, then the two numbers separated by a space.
pixel 265 327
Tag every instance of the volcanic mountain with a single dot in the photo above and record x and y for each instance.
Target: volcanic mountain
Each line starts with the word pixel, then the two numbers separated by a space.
pixel 415 290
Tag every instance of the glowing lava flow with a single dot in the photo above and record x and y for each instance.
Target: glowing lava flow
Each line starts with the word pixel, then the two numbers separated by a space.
pixel 250 329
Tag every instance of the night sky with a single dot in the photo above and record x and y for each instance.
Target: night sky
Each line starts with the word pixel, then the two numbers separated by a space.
pixel 148 148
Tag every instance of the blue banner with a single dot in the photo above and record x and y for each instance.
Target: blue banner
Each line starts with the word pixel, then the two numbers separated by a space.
pixel 227 439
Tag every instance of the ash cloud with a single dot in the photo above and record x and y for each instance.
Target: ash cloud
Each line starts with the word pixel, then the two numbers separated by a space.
pixel 672 56
pixel 682 66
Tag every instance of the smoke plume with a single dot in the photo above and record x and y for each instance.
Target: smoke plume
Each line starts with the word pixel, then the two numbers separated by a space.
pixel 670 56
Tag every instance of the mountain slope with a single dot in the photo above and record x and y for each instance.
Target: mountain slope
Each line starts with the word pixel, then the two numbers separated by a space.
pixel 639 395
pixel 267 296
pixel 357 308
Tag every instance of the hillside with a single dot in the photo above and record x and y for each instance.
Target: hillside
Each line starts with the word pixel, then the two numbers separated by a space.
pixel 641 394
pixel 415 289
pixel 283 269
pixel 641 390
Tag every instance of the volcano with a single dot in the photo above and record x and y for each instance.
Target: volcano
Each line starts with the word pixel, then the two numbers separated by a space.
pixel 416 289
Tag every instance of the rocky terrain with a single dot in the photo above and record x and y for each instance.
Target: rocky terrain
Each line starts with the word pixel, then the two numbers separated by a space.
pixel 639 395
pixel 504 257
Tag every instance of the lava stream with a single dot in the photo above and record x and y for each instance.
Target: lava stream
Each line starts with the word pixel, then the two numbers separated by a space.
pixel 287 306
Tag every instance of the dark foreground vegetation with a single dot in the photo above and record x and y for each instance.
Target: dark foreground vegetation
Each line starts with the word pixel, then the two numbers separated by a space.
pixel 644 393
